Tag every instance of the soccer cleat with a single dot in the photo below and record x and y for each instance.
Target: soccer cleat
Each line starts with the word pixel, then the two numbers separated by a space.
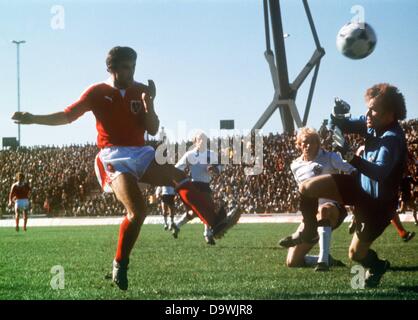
pixel 209 240
pixel 226 223
pixel 17 228
pixel 120 274
pixel 286 242
pixel 373 276
pixel 321 267
pixel 298 238
pixel 409 235
pixel 165 227
pixel 175 231
pixel 335 263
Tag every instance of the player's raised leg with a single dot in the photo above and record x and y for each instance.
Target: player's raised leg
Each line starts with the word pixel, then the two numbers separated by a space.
pixel 167 174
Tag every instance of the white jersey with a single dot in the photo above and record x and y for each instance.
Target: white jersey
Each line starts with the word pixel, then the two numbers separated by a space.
pixel 198 163
pixel 324 163
pixel 164 190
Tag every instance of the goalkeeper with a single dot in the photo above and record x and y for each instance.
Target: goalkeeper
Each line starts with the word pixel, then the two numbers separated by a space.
pixel 374 194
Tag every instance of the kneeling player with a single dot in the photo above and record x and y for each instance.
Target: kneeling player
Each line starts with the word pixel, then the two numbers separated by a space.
pixel 315 161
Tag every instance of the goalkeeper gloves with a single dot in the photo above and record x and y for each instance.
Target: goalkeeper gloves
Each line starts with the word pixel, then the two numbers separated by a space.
pixel 340 145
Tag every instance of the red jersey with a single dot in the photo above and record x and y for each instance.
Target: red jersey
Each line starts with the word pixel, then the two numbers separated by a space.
pixel 20 191
pixel 119 113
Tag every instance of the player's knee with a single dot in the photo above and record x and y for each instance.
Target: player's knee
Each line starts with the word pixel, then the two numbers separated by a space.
pixel 303 188
pixel 137 212
pixel 293 260
pixel 293 263
pixel 290 263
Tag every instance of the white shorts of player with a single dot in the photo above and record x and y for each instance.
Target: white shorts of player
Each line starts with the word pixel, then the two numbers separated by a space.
pixel 112 161
pixel 22 204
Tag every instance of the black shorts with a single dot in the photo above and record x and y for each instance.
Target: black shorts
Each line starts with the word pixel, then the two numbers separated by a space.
pixel 372 215
pixel 406 196
pixel 168 199
pixel 342 214
pixel 202 186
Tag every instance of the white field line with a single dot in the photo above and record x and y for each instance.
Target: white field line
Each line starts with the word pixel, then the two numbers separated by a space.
pixel 158 219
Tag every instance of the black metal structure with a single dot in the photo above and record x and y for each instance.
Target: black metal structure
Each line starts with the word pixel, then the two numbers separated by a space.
pixel 285 92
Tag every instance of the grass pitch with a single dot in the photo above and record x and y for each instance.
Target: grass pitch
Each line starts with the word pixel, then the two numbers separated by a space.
pixel 246 264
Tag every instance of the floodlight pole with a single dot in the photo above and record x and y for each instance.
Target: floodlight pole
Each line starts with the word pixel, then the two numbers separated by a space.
pixel 18 43
pixel 285 92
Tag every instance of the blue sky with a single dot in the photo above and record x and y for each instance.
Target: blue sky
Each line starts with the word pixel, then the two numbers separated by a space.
pixel 206 58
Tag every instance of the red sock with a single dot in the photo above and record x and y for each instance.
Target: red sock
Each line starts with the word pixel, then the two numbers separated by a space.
pixel 194 199
pixel 25 222
pixel 396 222
pixel 128 233
pixel 17 222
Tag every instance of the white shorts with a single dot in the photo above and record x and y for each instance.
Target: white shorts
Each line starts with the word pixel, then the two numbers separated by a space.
pixel 22 204
pixel 112 161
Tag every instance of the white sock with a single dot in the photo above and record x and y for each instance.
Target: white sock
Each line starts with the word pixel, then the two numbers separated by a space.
pixel 183 220
pixel 311 260
pixel 324 243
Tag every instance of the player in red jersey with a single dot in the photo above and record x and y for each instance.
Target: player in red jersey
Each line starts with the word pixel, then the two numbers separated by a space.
pixel 19 194
pixel 124 110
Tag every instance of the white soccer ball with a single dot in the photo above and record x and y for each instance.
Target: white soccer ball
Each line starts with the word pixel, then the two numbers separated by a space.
pixel 356 40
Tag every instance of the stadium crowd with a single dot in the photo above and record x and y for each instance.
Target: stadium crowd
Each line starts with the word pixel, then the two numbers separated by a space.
pixel 63 181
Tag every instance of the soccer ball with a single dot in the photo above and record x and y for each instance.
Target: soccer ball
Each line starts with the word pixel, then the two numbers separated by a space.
pixel 356 40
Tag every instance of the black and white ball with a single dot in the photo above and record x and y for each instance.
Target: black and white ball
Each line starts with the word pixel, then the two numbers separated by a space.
pixel 356 40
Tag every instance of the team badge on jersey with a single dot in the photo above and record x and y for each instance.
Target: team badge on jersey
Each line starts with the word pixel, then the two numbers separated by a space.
pixel 136 106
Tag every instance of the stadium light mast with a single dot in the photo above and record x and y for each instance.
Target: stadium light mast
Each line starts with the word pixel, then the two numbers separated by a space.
pixel 18 43
pixel 284 91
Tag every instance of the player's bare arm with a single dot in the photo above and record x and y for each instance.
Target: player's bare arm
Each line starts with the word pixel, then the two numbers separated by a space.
pixel 11 198
pixel 52 119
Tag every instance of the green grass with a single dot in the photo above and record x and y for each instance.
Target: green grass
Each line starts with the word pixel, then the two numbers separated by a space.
pixel 244 265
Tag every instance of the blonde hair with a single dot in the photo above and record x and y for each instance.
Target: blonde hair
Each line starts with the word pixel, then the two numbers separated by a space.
pixel 308 133
pixel 199 135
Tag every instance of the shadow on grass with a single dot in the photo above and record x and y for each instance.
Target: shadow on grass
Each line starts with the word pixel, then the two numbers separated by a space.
pixel 408 289
pixel 406 269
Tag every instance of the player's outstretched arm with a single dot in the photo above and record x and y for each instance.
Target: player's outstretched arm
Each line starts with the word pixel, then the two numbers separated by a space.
pixel 52 119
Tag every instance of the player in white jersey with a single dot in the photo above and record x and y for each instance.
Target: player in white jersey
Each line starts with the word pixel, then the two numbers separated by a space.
pixel 167 194
pixel 315 161
pixel 202 164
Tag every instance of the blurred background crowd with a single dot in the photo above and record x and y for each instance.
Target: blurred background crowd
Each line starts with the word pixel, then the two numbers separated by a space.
pixel 63 181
